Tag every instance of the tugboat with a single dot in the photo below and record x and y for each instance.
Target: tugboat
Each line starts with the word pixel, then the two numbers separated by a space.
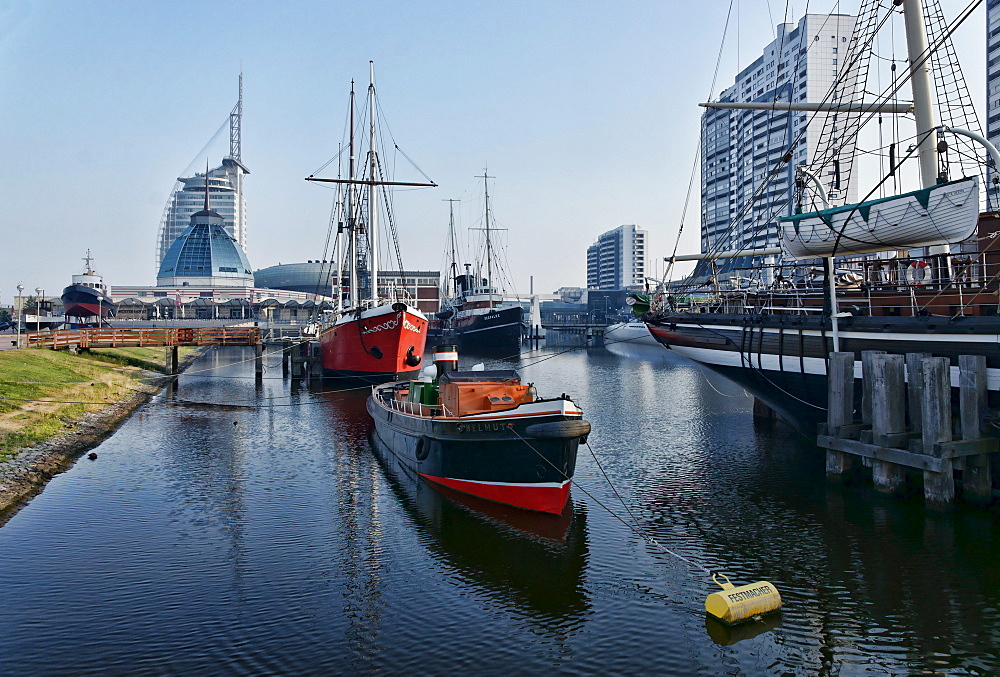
pixel 482 433
pixel 475 314
pixel 86 300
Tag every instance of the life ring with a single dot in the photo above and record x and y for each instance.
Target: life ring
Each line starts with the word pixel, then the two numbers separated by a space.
pixel 917 273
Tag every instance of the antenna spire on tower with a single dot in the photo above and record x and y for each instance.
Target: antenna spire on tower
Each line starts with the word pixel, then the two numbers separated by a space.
pixel 235 123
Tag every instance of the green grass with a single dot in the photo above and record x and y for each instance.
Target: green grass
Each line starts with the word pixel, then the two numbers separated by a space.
pixel 79 384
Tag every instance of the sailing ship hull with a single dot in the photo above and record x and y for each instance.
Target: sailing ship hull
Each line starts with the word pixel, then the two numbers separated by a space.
pixel 782 359
pixel 633 332
pixel 82 301
pixel 381 344
pixel 524 457
pixel 497 332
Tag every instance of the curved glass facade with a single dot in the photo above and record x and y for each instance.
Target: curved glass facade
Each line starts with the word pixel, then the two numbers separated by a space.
pixel 205 254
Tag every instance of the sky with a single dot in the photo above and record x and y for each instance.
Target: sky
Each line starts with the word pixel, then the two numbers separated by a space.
pixel 585 112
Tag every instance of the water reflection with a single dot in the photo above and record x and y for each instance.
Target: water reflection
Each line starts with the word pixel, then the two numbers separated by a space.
pixel 244 526
pixel 532 560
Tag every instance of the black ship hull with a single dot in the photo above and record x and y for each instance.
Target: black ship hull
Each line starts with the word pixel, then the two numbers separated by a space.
pixel 81 301
pixel 782 359
pixel 526 459
pixel 497 332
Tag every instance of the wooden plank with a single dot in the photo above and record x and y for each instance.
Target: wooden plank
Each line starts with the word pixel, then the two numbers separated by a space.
pixel 958 448
pixel 898 456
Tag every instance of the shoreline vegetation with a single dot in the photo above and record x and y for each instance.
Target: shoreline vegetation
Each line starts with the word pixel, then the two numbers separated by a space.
pixel 55 406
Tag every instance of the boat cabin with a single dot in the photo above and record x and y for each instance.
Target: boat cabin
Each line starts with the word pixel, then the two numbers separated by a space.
pixel 474 392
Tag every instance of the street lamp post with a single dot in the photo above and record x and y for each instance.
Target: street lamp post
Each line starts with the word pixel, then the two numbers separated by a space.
pixel 17 316
pixel 38 308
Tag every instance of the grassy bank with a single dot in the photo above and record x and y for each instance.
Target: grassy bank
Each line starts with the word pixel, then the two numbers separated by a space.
pixel 43 392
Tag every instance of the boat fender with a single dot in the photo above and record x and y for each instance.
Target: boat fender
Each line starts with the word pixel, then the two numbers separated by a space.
pixel 411 359
pixel 423 448
pixel 739 604
pixel 559 429
pixel 917 273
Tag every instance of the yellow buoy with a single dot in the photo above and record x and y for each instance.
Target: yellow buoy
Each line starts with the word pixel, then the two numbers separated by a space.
pixel 739 604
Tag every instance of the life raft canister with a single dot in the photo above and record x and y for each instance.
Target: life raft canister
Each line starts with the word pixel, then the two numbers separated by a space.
pixel 917 272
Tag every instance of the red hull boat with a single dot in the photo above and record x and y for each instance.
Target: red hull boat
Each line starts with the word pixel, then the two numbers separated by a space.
pixel 383 344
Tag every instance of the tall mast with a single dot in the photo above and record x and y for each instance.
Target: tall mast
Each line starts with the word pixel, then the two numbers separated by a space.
pixel 351 222
pixel 489 247
pixel 923 89
pixel 338 243
pixel 450 283
pixel 372 188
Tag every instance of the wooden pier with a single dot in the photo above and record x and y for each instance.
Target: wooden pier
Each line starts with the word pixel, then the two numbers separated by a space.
pixel 908 423
pixel 65 339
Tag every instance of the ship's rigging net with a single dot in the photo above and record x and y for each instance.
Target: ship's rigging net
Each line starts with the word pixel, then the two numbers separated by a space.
pixel 838 147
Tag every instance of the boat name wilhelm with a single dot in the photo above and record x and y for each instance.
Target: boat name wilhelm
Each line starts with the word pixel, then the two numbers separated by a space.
pixel 409 325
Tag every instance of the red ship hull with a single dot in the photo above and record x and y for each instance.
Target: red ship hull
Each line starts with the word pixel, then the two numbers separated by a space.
pixel 385 343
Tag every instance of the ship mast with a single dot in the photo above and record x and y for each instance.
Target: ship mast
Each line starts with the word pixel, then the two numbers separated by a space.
pixel 489 248
pixel 450 285
pixel 351 222
pixel 353 202
pixel 923 89
pixel 372 188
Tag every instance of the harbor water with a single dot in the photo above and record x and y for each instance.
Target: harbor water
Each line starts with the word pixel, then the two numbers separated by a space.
pixel 237 527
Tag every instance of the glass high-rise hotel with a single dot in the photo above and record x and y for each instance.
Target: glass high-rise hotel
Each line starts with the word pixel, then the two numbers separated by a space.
pixel 225 185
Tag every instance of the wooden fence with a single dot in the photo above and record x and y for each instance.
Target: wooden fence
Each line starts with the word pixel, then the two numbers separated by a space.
pixel 64 339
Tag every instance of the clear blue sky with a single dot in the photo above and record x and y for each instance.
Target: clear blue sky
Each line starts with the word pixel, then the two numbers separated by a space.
pixel 585 112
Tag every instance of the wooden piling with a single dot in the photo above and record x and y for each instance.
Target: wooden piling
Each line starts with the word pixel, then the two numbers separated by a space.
pixel 286 353
pixel 915 385
pixel 867 359
pixel 976 482
pixel 258 360
pixel 840 411
pixel 888 418
pixel 939 485
pixel 298 360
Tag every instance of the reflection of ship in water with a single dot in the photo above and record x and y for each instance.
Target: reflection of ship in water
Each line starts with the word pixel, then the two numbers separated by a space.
pixel 537 558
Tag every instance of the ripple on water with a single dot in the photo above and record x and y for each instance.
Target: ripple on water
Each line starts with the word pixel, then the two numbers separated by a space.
pixel 287 544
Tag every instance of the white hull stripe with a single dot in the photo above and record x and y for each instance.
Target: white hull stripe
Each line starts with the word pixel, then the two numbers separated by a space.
pixel 865 335
pixel 791 364
pixel 526 485
pixel 492 327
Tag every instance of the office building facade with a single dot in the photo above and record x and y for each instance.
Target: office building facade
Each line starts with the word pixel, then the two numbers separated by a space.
pixel 740 148
pixel 618 259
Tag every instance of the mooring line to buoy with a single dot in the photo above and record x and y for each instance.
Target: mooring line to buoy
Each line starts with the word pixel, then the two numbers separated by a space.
pixel 732 605
pixel 632 527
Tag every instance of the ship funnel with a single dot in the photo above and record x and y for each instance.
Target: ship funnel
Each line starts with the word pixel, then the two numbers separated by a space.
pixel 445 359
